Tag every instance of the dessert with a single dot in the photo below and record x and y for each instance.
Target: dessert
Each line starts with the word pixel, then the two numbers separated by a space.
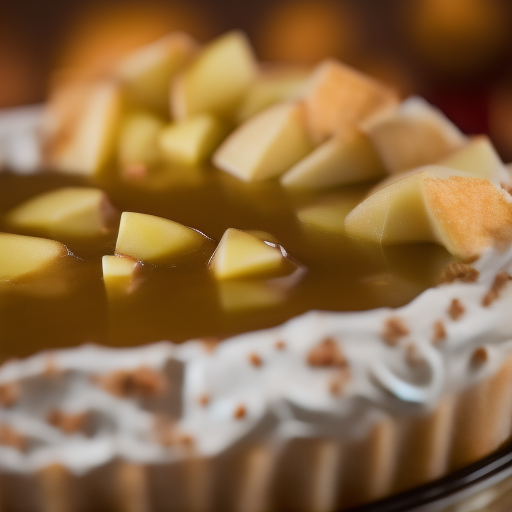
pixel 214 298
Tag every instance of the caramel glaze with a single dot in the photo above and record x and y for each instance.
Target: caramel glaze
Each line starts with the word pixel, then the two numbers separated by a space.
pixel 70 306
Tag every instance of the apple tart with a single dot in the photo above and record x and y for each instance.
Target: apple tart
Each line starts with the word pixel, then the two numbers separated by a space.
pixel 226 285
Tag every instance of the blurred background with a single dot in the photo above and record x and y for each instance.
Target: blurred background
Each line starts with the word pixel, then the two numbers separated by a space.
pixel 456 53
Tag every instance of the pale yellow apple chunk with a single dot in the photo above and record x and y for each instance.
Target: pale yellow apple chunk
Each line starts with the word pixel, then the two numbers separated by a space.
pixel 119 274
pixel 238 296
pixel 341 160
pixel 156 240
pixel 460 211
pixel 216 80
pixel 146 73
pixel 86 143
pixel 338 97
pixel 272 86
pixel 24 256
pixel 138 139
pixel 191 141
pixel 266 145
pixel 240 254
pixel 479 157
pixel 413 135
pixel 328 214
pixel 70 211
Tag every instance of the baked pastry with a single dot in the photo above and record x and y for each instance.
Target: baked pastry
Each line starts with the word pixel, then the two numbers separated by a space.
pixel 336 289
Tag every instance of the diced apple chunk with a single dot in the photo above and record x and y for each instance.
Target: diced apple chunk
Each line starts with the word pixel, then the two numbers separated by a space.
pixel 270 87
pixel 338 98
pixel 146 73
pixel 267 145
pixel 138 139
pixel 413 135
pixel 216 80
pixel 23 256
pixel 191 141
pixel 70 211
pixel 240 254
pixel 343 159
pixel 263 235
pixel 86 142
pixel 119 274
pixel 156 240
pixel 478 157
pixel 460 211
pixel 328 214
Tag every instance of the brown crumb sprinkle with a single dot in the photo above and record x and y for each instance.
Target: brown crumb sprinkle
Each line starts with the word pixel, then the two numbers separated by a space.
pixel 338 382
pixel 255 360
pixel 142 381
pixel 50 368
pixel 456 309
pixel 280 345
pixel 498 284
pixel 210 343
pixel 9 394
pixel 327 354
pixel 69 423
pixel 439 333
pixel 413 356
pixel 394 329
pixel 480 356
pixel 204 400
pixel 12 438
pixel 240 412
pixel 168 434
pixel 459 272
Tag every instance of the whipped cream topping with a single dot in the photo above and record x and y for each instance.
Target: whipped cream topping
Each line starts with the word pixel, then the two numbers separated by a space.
pixel 260 386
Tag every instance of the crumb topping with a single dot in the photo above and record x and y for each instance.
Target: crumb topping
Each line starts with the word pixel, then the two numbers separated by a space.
pixel 459 272
pixel 169 434
pixel 338 382
pixel 69 423
pixel 9 394
pixel 413 356
pixel 439 333
pixel 498 284
pixel 10 437
pixel 394 329
pixel 456 309
pixel 51 369
pixel 280 345
pixel 327 354
pixel 210 343
pixel 126 383
pixel 204 399
pixel 255 360
pixel 480 356
pixel 240 412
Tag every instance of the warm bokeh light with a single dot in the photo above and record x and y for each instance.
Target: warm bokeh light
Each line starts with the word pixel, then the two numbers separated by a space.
pixel 458 36
pixel 103 33
pixel 305 31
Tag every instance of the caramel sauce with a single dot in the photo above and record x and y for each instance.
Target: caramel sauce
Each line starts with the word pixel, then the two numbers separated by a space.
pixel 70 306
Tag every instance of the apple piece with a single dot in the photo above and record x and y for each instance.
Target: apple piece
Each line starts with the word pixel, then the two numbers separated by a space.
pixel 70 211
pixel 413 135
pixel 240 254
pixel 119 274
pixel 263 236
pixel 156 240
pixel 138 139
pixel 216 80
pixel 328 214
pixel 146 73
pixel 478 157
pixel 22 256
pixel 462 212
pixel 338 97
pixel 266 145
pixel 191 141
pixel 341 160
pixel 85 145
pixel 272 86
